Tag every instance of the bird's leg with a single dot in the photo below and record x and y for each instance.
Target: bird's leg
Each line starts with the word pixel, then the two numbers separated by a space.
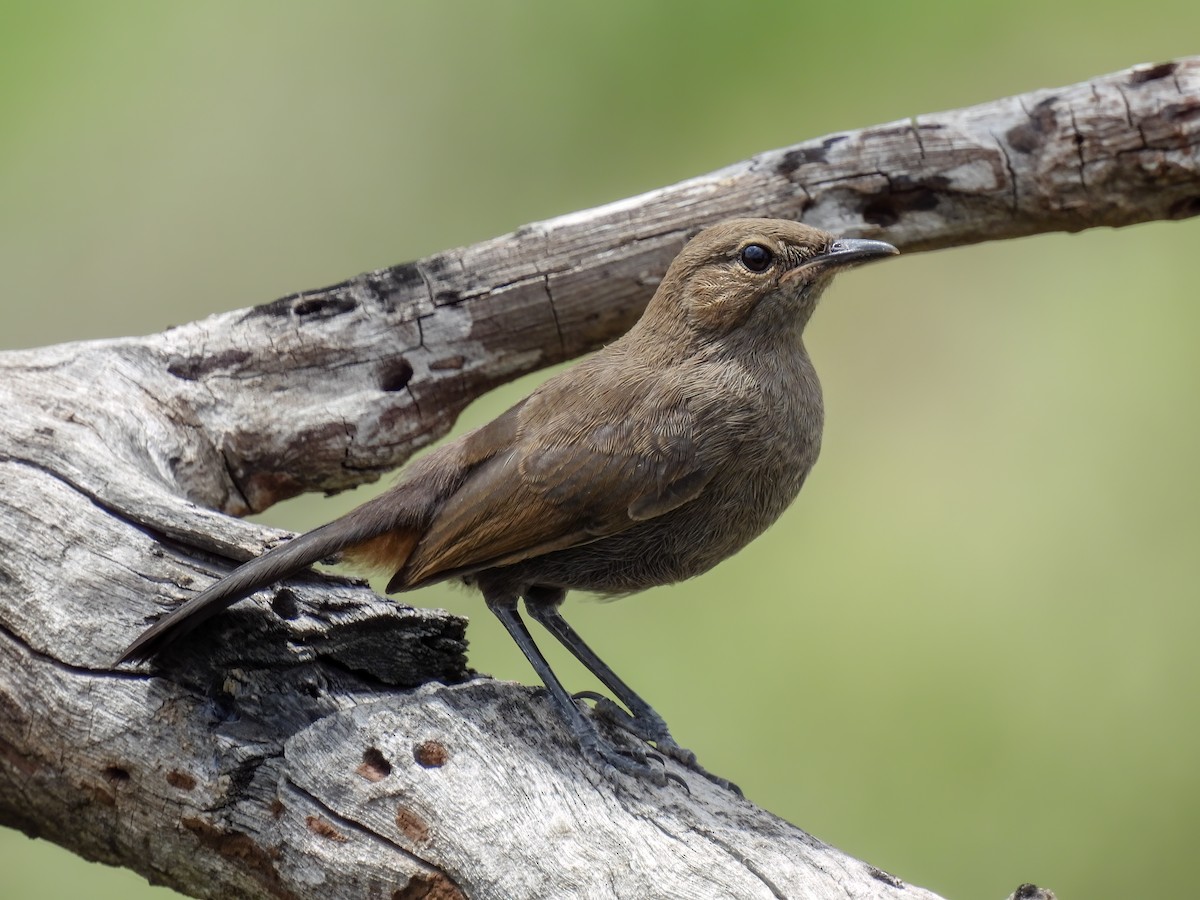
pixel 504 605
pixel 644 722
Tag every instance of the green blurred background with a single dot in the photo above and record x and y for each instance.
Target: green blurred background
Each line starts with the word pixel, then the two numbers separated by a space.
pixel 968 654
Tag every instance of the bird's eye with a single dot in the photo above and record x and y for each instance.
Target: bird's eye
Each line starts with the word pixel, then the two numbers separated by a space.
pixel 756 257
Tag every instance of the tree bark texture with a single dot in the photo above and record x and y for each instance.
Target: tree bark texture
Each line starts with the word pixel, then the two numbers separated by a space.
pixel 318 740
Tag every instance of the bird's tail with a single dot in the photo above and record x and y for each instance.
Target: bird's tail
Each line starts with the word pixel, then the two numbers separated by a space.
pixel 280 562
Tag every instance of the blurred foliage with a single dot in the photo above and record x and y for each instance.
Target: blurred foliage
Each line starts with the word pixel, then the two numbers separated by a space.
pixel 967 654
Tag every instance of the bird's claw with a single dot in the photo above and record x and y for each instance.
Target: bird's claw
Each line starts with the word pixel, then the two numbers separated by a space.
pixel 652 730
pixel 631 762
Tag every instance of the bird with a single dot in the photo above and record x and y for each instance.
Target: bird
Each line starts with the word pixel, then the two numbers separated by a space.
pixel 644 464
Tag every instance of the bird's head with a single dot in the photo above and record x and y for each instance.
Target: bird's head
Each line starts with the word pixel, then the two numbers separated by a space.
pixel 768 270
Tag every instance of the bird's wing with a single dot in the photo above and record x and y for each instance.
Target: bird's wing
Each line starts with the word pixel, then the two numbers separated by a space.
pixel 576 471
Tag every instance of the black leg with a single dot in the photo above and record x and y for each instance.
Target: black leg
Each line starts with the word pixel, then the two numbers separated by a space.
pixel 651 725
pixel 505 609
pixel 645 723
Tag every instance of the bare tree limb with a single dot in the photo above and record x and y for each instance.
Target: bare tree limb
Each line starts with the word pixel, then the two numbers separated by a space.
pixel 321 741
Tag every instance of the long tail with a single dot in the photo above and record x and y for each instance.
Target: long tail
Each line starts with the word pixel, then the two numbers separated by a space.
pixel 380 534
pixel 275 564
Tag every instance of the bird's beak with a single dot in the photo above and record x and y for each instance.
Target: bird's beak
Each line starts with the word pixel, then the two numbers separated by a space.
pixel 843 253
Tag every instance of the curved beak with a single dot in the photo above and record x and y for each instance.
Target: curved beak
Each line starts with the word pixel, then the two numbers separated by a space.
pixel 843 253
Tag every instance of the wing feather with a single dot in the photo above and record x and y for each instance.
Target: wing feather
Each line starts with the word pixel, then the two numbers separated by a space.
pixel 564 482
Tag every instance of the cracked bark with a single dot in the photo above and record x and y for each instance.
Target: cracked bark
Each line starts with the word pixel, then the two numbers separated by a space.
pixel 319 741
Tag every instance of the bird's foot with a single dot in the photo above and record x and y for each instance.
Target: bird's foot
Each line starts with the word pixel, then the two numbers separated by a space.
pixel 650 727
pixel 639 763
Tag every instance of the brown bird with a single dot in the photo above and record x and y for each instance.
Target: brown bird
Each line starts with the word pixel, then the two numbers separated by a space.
pixel 644 464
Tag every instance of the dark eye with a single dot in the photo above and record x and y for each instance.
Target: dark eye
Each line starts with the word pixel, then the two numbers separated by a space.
pixel 757 258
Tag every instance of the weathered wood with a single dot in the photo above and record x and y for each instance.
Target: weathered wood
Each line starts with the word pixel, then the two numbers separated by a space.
pixel 316 741
pixel 1031 892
